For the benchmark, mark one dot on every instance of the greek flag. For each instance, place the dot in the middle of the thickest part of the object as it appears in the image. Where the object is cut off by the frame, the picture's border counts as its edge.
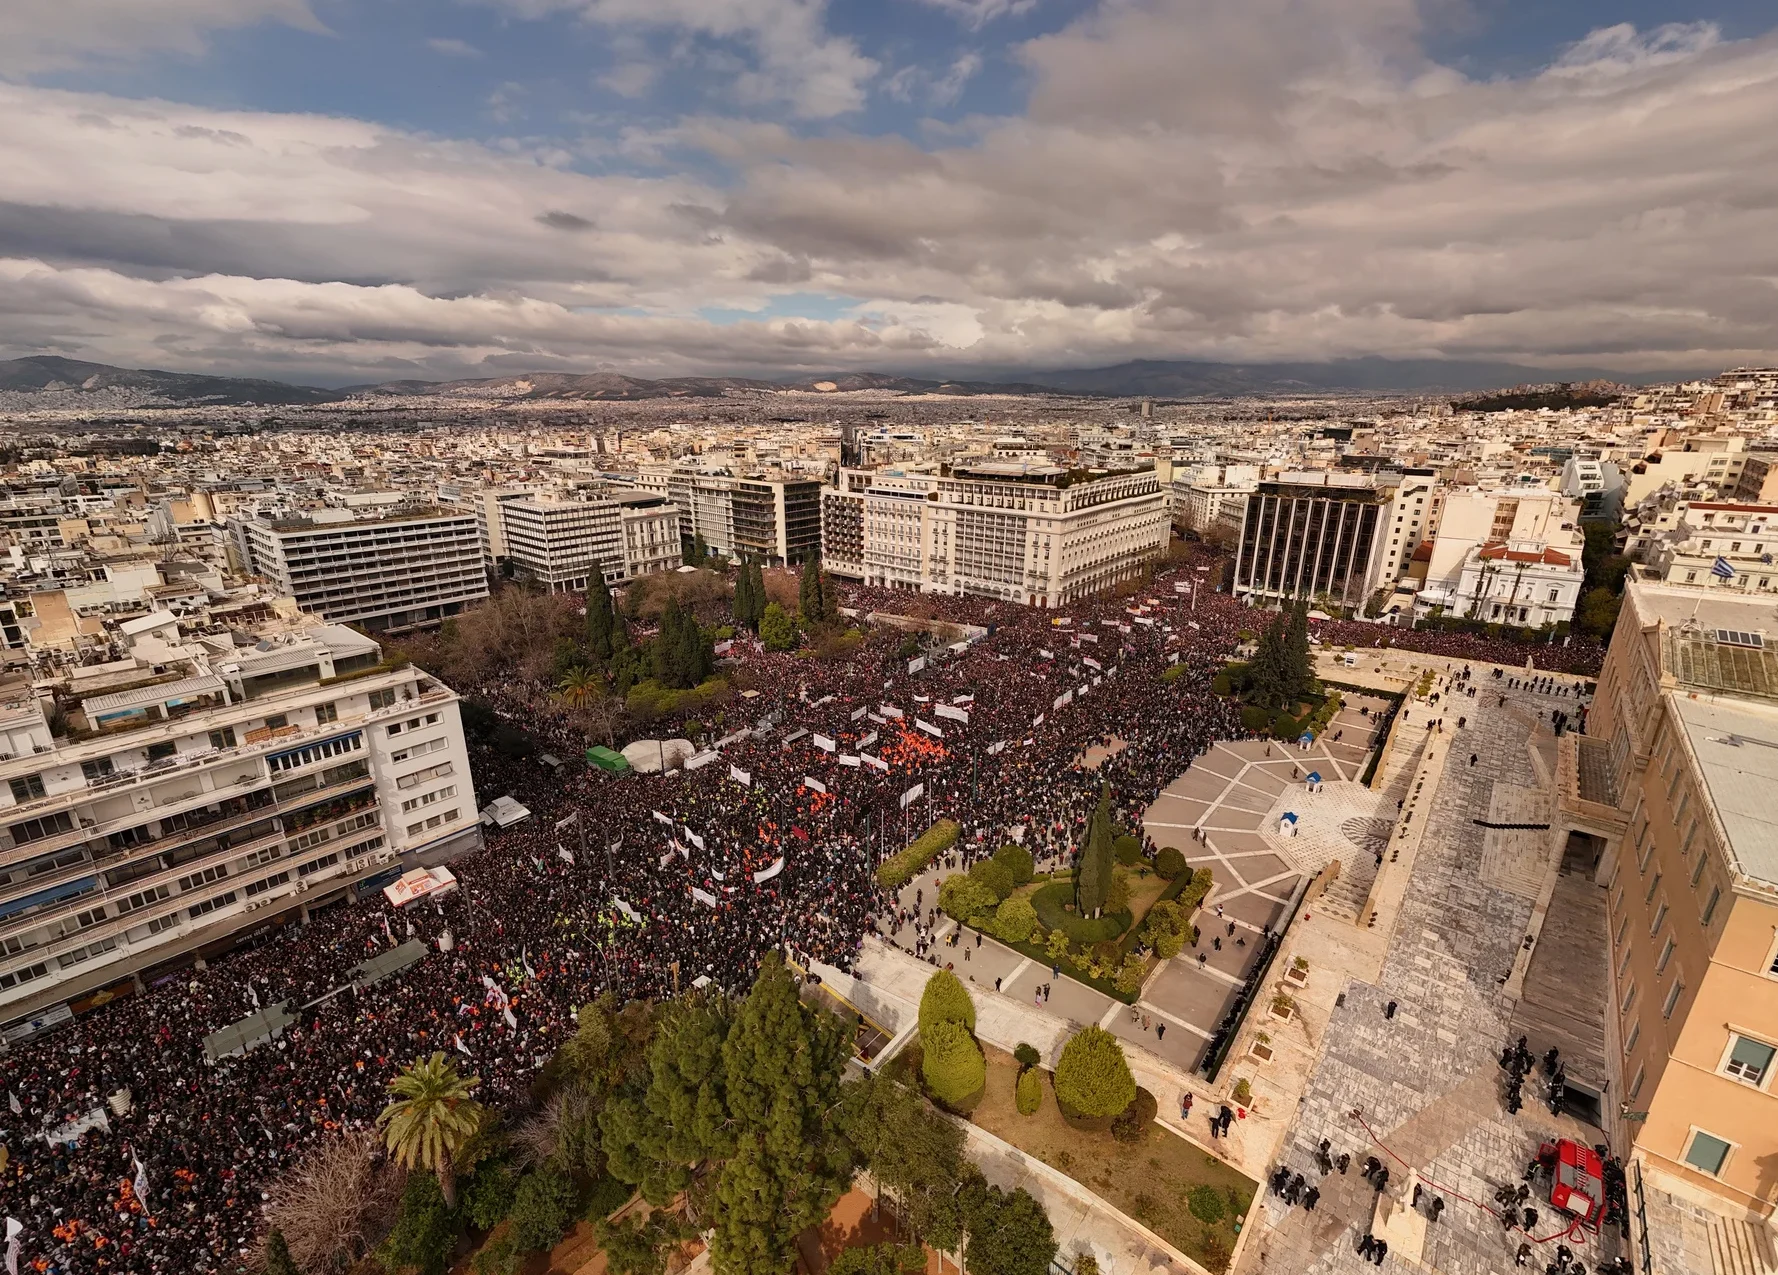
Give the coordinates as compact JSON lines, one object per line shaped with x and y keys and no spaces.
{"x":1722,"y":570}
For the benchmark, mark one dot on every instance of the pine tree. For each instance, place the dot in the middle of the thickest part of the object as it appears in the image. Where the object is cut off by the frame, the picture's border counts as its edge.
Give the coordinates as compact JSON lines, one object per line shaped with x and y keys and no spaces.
{"x":600,"y":619}
{"x":757,"y":595}
{"x":743,"y":604}
{"x":1269,"y":669}
{"x":830,"y":598}
{"x":782,"y":1064}
{"x":1299,"y":668}
{"x":669,"y":647}
{"x":809,"y":591}
{"x":1096,"y":859}
{"x":277,"y":1255}
{"x":673,"y":1115}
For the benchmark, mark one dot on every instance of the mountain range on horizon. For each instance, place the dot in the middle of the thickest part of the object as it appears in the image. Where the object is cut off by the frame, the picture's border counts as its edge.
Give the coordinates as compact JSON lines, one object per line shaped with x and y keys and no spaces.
{"x":52,"y":378}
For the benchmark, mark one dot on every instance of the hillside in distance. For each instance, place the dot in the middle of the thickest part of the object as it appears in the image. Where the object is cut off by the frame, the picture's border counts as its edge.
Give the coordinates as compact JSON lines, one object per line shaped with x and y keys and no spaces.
{"x":607,"y":387}
{"x":48,"y":377}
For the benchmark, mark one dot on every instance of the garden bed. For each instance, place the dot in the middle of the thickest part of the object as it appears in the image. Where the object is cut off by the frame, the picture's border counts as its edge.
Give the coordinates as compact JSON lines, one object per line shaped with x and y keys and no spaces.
{"x":1157,"y":1181}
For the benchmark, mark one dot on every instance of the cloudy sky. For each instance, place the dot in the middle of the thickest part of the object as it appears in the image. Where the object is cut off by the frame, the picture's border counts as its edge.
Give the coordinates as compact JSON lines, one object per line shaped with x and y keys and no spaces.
{"x":341,"y":190}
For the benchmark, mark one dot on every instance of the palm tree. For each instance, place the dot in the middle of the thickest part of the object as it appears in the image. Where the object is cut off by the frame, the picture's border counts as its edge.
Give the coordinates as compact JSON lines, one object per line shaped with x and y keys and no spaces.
{"x":577,"y":687}
{"x":431,"y":1118}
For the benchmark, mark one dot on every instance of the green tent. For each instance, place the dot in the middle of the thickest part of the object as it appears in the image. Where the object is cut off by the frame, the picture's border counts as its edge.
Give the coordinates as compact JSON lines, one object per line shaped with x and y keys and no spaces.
{"x":605,"y":759}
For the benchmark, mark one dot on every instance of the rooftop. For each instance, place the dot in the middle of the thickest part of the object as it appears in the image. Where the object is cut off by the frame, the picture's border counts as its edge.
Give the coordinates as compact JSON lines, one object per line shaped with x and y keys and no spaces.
{"x":1736,"y":746}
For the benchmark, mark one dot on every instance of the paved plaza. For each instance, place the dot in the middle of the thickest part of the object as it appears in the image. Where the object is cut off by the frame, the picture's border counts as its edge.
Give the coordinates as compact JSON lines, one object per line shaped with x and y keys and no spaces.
{"x":1422,"y":1090}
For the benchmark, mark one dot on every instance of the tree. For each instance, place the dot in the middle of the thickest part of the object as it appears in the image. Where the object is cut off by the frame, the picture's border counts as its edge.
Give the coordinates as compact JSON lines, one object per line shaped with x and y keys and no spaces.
{"x":277,"y":1255}
{"x":1168,"y":863}
{"x":782,"y":1063}
{"x":578,"y":688}
{"x":946,"y":1000}
{"x":1598,"y":612}
{"x":675,"y":1115}
{"x":1018,"y":861}
{"x":743,"y":603}
{"x":425,"y":1232}
{"x":1166,"y":928}
{"x":757,"y":594}
{"x":911,"y":1151}
{"x":602,"y":623}
{"x":879,"y":1259}
{"x":1299,"y":667}
{"x":641,"y":1246}
{"x":1094,"y":881}
{"x":431,"y":1118}
{"x":542,"y":1208}
{"x":951,"y":1063}
{"x":993,"y":874}
{"x":1028,"y":1092}
{"x":1092,"y":1078}
{"x":1009,"y":1234}
{"x":964,"y":898}
{"x":1014,"y":919}
{"x":339,"y":1195}
{"x":776,"y":629}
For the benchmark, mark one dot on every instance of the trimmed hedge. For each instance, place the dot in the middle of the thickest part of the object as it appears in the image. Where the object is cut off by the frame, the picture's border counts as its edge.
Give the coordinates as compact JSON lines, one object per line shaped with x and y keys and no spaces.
{"x":951,"y":1063}
{"x":1135,"y":1119}
{"x":1014,"y":920}
{"x":1198,"y":886}
{"x":1028,"y":1092}
{"x":898,"y":869}
{"x":1255,"y":719}
{"x":1127,"y":850}
{"x":1017,"y":860}
{"x":1051,"y":903}
{"x":946,"y":1000}
{"x":995,"y":875}
{"x":1093,"y":1079}
{"x":1169,"y":863}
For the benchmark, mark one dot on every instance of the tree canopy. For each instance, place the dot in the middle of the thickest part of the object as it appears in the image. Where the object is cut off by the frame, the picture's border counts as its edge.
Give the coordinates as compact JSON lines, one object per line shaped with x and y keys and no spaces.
{"x":776,"y":629}
{"x":946,"y":1000}
{"x":1094,"y":881}
{"x":601,"y":617}
{"x":431,"y":1118}
{"x":1092,"y":1077}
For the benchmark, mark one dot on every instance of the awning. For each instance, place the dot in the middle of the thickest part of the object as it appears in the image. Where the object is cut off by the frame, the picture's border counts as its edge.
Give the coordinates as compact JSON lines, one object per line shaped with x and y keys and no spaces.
{"x":143,"y":696}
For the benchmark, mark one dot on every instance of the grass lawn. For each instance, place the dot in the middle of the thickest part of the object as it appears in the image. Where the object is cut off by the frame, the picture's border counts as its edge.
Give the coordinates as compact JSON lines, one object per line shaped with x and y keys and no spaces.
{"x":1156,"y":1181}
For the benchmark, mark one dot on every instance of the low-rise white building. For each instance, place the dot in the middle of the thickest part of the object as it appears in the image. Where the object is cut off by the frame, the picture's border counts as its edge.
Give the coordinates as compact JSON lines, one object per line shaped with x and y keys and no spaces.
{"x":1516,"y":582}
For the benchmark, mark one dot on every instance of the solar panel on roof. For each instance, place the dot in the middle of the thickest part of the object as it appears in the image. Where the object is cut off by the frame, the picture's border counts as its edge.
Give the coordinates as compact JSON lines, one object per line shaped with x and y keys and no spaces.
{"x":1737,"y":637}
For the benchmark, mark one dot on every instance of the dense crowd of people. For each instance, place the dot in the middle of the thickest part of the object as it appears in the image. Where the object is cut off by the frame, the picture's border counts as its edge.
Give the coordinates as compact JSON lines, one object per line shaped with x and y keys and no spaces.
{"x":639,"y":884}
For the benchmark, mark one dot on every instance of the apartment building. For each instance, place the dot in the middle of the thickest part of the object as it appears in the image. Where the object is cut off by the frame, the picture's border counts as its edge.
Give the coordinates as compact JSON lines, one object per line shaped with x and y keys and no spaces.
{"x":1319,"y":535}
{"x":772,"y":516}
{"x":1208,"y":497}
{"x":1021,"y":530}
{"x":1673,"y":778}
{"x":161,"y":808}
{"x":1703,"y":531}
{"x":559,"y":538}
{"x":1471,"y":518}
{"x":411,"y":568}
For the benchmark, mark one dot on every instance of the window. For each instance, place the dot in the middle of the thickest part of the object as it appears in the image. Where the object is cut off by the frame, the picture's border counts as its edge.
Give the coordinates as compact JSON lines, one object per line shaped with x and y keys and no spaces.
{"x":325,"y":861}
{"x":382,"y":699}
{"x":161,"y":924}
{"x":325,"y":713}
{"x":259,"y":858}
{"x":37,"y":829}
{"x":427,"y":799}
{"x":1622,"y":925}
{"x":28,"y":788}
{"x":99,"y":947}
{"x":1749,"y":1060}
{"x":96,"y":770}
{"x":1629,"y":998}
{"x":1624,"y":961}
{"x":1707,"y":1153}
{"x":160,"y":752}
{"x":270,"y":883}
{"x":28,"y":974}
{"x":1665,"y":956}
{"x":1634,"y":1036}
{"x":210,"y":905}
{"x":1698,"y":869}
{"x":1660,"y":916}
{"x":1636,"y":1084}
{"x":215,"y":872}
{"x":1652,"y":887}
{"x":1710,"y":905}
{"x":1672,"y":1001}
{"x":224,"y":738}
{"x":418,"y":750}
{"x":277,"y":721}
{"x":1645,"y":849}
{"x":419,"y":777}
{"x":141,"y":899}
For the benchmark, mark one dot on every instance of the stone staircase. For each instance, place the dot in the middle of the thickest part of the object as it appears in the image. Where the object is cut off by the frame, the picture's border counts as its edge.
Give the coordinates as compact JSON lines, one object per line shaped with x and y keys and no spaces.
{"x":1739,"y":1247}
{"x":1345,"y":898}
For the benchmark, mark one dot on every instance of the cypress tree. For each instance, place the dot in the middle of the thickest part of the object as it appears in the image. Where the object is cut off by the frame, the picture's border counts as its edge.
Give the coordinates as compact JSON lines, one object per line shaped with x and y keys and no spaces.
{"x":277,"y":1255}
{"x":808,"y":599}
{"x":782,"y":1062}
{"x":600,"y":618}
{"x":1095,"y":861}
{"x":669,"y":647}
{"x":757,"y":595}
{"x":1300,"y":670}
{"x":743,"y":605}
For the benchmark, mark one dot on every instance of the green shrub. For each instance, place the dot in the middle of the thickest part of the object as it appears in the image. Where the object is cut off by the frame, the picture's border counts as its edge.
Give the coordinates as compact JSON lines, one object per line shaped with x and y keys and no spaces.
{"x":898,"y":869}
{"x":1018,"y":861}
{"x":1242,"y":1092}
{"x":501,"y":1257}
{"x":946,"y":1000}
{"x":1130,"y":975}
{"x":1255,"y":719}
{"x":608,"y":1196}
{"x":1028,"y":1092}
{"x":424,"y":1232}
{"x":1135,"y":1119}
{"x":487,"y":1197}
{"x":1284,"y":726}
{"x":1169,"y":863}
{"x":1219,"y":685}
{"x":1205,"y":1203}
{"x":1193,"y":894}
{"x":1015,"y":919}
{"x":1117,"y":894}
{"x":996,"y":876}
{"x":1051,"y":902}
{"x":1026,"y":1055}
{"x":1165,"y":927}
{"x":964,"y":898}
{"x":1127,"y":850}
{"x":952,"y":1066}
{"x":542,"y":1207}
{"x":1092,"y":1078}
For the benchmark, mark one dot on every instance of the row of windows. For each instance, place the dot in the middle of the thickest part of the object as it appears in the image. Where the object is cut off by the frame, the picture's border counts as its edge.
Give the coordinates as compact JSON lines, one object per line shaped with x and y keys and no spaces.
{"x":412,"y":723}
{"x":429,"y":799}
{"x":313,"y":753}
{"x":436,"y":821}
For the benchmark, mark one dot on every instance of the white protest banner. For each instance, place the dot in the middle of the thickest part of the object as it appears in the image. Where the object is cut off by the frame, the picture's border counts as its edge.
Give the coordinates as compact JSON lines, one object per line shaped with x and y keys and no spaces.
{"x":694,"y":838}
{"x":1048,"y":655}
{"x":968,"y":697}
{"x":929,"y":728}
{"x":912,"y":795}
{"x":847,"y":759}
{"x":916,"y":664}
{"x":1037,"y":721}
{"x":868,"y":740}
{"x":766,"y":874}
{"x":809,"y":781}
{"x":666,"y":819}
{"x":708,"y":900}
{"x":859,"y":712}
{"x":955,"y":714}
{"x":889,"y":710}
{"x":1096,"y":681}
{"x":881,"y":721}
{"x":627,"y":910}
{"x":1090,"y":662}
{"x":1090,"y":637}
{"x":742,"y":777}
{"x":999,"y":746}
{"x":702,"y":759}
{"x":667,"y":857}
{"x":1063,"y":700}
{"x":822,"y":742}
{"x":1143,"y":619}
{"x":876,"y":762}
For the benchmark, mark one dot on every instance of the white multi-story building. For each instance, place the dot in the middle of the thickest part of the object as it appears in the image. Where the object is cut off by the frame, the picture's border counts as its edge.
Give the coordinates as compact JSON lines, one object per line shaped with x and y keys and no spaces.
{"x":1026,"y":532}
{"x":559,"y":538}
{"x":772,"y":516}
{"x":1468,"y":518}
{"x":1213,"y":496}
{"x":1744,"y":536}
{"x":1518,"y":582}
{"x":157,"y":809}
{"x":405,"y":570}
